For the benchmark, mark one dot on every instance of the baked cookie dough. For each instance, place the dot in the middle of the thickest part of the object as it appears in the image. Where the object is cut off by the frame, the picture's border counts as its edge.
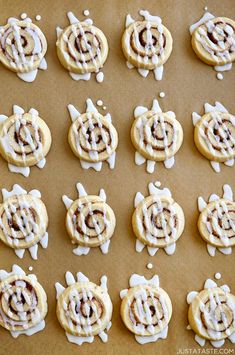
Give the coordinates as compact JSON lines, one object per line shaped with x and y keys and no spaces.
{"x":146,"y":309}
{"x":84,"y":309}
{"x":90,"y":221}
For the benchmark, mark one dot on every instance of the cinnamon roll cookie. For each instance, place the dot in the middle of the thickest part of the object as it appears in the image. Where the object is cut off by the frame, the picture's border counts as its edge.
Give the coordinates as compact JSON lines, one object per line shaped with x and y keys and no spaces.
{"x":216,"y":222}
{"x":90,"y":221}
{"x":84,"y":309}
{"x":82,"y":48}
{"x":213,"y":40}
{"x":146,"y":44}
{"x":146,"y":309}
{"x":92,"y":137}
{"x":158,"y":221}
{"x":23,"y":221}
{"x":157,"y":136}
{"x":22,"y":48}
{"x":211,"y":314}
{"x":23,"y":302}
{"x":214,"y":135}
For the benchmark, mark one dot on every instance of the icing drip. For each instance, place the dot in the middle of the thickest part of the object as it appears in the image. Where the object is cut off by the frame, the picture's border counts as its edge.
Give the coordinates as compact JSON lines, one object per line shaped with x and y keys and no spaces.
{"x":94,"y":136}
{"x":90,"y":302}
{"x":22,"y":221}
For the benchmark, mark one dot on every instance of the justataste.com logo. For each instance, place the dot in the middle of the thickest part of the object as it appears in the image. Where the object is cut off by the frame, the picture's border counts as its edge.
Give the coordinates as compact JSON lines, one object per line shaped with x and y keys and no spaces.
{"x":187,"y":351}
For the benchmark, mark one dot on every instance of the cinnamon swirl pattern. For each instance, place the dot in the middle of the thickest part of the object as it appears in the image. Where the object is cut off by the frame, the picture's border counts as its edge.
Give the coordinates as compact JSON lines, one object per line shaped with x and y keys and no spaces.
{"x":146,"y":309}
{"x":22,"y":48}
{"x":25,"y":140}
{"x":90,"y":221}
{"x":23,"y":221}
{"x":211,"y":314}
{"x":214,"y":135}
{"x":216,"y":222}
{"x":82,"y":48}
{"x":146,"y":44}
{"x":92,"y":137}
{"x":84,"y":309}
{"x":158,"y":221}
{"x":23,"y":302}
{"x":157,"y":136}
{"x":213,"y":40}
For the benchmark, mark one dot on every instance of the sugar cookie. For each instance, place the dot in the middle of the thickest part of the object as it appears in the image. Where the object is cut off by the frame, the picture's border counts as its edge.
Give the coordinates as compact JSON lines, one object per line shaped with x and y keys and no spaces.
{"x":158,"y":221}
{"x":84,"y":309}
{"x":90,"y":221}
{"x":216,"y":222}
{"x":214,"y":135}
{"x":82,"y":48}
{"x":211,"y":314}
{"x":22,"y":48}
{"x":146,"y":309}
{"x":92,"y":137}
{"x":146,"y":44}
{"x":23,"y":221}
{"x":23,"y":302}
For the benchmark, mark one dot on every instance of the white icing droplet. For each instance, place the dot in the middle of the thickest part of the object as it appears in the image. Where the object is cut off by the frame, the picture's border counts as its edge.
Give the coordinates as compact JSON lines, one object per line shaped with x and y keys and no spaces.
{"x":20,"y":253}
{"x":195,"y":117}
{"x":155,"y":190}
{"x":80,"y":250}
{"x":161,"y":94}
{"x":211,"y":249}
{"x":143,"y":72}
{"x":23,"y":16}
{"x":169,"y":163}
{"x":72,"y":18}
{"x":228,"y":192}
{"x":225,"y":288}
{"x":216,"y":166}
{"x":148,"y":17}
{"x":129,"y":65}
{"x":28,"y":77}
{"x":139,"y":159}
{"x":213,"y":197}
{"x":170,"y":249}
{"x":140,"y":110}
{"x":217,"y":343}
{"x":25,"y":171}
{"x":99,"y":103}
{"x":152,"y":251}
{"x":139,"y":246}
{"x":81,"y":190}
{"x":90,"y":107}
{"x":86,"y":12}
{"x":59,"y":289}
{"x":150,"y":166}
{"x":226,"y":251}
{"x":105,"y":247}
{"x":138,"y":198}
{"x":155,"y":106}
{"x":218,"y":276}
{"x":43,"y":64}
{"x":100,"y":77}
{"x":67,"y":201}
{"x":219,"y":76}
{"x":103,"y":282}
{"x":73,"y":112}
{"x":69,"y":278}
{"x":158,"y":73}
{"x":38,"y":17}
{"x":123,"y":293}
{"x":149,"y":266}
{"x":200,"y":340}
{"x":201,"y":203}
{"x":30,"y":268}
{"x":129,"y":20}
{"x":222,"y":68}
{"x":77,"y":77}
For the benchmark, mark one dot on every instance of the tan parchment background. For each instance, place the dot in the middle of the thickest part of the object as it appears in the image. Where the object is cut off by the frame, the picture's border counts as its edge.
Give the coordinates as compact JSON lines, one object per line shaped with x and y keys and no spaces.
{"x":188,"y":84}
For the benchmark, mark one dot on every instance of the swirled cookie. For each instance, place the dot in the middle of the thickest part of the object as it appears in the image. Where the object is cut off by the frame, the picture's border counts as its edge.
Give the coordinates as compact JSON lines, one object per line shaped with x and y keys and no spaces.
{"x":146,"y":44}
{"x":23,"y":302}
{"x":23,"y":221}
{"x":211,"y":314}
{"x":214,"y":135}
{"x":146,"y":309}
{"x":158,"y":221}
{"x":216,"y":222}
{"x":25,"y":140}
{"x":22,"y":48}
{"x":82,"y":48}
{"x":84,"y":309}
{"x":90,"y":221}
{"x":92,"y":137}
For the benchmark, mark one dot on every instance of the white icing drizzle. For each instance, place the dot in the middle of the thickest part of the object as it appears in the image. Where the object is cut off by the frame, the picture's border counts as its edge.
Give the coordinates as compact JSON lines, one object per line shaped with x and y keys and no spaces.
{"x":37,"y":150}
{"x":25,"y":227}
{"x":86,"y":76}
{"x":139,"y":159}
{"x":158,"y":71}
{"x":75,"y":115}
{"x":220,"y":208}
{"x":80,"y":277}
{"x":223,"y":132}
{"x":208,"y":313}
{"x":35,"y":312}
{"x":149,"y":266}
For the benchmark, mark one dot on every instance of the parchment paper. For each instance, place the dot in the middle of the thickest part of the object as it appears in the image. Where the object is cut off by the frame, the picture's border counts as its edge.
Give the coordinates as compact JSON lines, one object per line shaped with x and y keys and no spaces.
{"x":188,"y":84}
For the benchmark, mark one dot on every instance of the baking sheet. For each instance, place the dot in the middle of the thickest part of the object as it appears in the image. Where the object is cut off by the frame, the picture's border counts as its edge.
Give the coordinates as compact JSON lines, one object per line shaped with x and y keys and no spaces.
{"x":188,"y":84}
